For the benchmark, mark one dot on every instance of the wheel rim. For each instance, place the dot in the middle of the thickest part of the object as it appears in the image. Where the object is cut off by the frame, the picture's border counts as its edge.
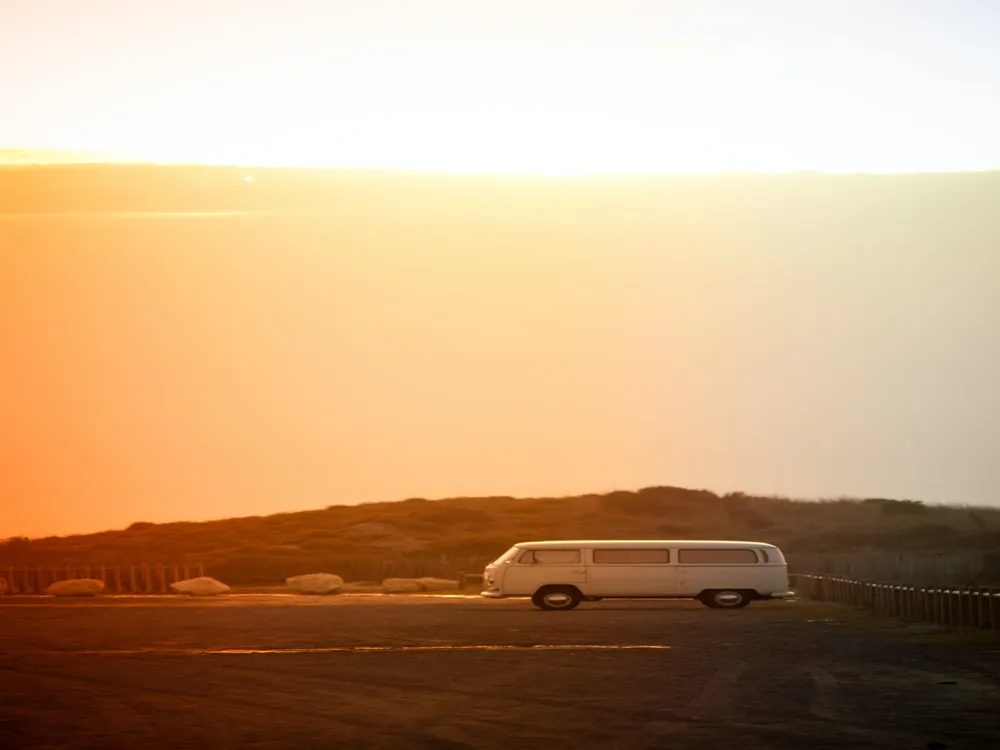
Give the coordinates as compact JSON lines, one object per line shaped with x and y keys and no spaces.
{"x":558,"y":599}
{"x":728,"y":598}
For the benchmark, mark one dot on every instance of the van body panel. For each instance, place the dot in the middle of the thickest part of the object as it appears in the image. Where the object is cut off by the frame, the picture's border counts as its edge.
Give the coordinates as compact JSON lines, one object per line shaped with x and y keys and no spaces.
{"x":693,"y":579}
{"x":534,"y":567}
{"x":630,"y":580}
{"x":622,"y":568}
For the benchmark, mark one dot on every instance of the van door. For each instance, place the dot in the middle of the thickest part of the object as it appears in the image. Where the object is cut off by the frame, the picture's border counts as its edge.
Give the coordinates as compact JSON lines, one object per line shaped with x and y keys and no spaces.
{"x":630,"y":572}
{"x":716,"y":568}
{"x":544,"y":567}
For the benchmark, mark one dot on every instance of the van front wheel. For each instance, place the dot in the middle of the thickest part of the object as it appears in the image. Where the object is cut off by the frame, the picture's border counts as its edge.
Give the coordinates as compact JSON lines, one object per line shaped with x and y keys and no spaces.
{"x":556,"y":597}
{"x":724,"y":599}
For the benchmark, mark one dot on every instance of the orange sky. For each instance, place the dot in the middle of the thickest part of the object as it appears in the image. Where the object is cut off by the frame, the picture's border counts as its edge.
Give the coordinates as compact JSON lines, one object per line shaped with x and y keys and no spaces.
{"x":816,"y":342}
{"x":812,"y":342}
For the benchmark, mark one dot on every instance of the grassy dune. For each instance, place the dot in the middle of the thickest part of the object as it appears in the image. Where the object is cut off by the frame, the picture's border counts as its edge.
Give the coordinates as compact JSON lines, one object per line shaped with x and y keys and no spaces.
{"x":430,"y":535}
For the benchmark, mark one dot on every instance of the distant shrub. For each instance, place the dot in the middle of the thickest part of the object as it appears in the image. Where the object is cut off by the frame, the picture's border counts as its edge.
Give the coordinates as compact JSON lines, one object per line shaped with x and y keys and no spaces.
{"x":898,"y":507}
{"x":436,"y":515}
{"x":468,"y":515}
{"x":631,"y":502}
{"x":673,"y":531}
{"x":734,"y":500}
{"x":753,"y":519}
{"x":931,"y":533}
{"x":678,"y":495}
{"x":140,"y":526}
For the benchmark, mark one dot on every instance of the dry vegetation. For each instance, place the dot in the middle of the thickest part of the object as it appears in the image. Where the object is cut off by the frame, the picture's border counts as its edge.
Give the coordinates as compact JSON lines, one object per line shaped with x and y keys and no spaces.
{"x":439,"y":537}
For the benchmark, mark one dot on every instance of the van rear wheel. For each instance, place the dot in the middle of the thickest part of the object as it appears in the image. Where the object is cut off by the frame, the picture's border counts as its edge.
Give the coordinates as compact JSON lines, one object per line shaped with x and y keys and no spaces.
{"x":725,"y":598}
{"x":556,"y":597}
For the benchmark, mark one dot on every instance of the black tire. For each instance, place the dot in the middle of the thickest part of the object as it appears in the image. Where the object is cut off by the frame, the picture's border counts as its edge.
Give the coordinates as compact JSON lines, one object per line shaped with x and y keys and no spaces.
{"x":725,"y":598}
{"x":554,"y":598}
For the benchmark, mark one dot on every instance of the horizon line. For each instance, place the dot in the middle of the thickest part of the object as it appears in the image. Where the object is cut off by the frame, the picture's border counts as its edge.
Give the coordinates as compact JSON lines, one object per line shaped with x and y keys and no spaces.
{"x":555,"y":175}
{"x":34,"y":157}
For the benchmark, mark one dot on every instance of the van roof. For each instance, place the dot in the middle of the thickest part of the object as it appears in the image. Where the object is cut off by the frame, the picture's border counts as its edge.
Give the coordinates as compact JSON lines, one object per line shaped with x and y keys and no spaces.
{"x":701,"y":543}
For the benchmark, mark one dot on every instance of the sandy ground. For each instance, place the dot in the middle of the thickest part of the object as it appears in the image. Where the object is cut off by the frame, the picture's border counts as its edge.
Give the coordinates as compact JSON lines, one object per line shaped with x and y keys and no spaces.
{"x":440,"y":672}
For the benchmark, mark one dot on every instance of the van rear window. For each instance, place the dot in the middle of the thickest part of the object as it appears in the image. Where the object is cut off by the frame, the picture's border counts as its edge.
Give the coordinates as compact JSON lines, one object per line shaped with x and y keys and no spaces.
{"x":550,"y":557}
{"x":631,"y":556}
{"x":716,"y":556}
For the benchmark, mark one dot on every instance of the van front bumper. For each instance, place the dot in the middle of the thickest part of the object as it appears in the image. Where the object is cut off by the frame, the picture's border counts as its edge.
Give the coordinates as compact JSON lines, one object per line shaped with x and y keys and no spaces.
{"x":781,"y":595}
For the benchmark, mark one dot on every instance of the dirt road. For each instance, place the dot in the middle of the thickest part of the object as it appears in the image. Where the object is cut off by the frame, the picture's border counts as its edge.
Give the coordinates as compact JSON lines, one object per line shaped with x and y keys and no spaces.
{"x":416,"y":672}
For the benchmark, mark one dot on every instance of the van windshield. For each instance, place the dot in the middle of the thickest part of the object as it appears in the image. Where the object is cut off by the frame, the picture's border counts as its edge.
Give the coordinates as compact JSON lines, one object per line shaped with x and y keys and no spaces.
{"x":507,"y":557}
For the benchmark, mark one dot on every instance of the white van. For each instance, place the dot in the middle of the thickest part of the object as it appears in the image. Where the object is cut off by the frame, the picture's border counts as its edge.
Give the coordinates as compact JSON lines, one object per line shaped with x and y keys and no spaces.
{"x":559,"y":575}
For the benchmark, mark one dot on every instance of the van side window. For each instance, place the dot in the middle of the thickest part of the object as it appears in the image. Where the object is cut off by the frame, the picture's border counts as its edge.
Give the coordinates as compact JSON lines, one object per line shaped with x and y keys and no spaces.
{"x":716,"y":556}
{"x":763,"y":555}
{"x":631,"y":556}
{"x":550,"y":557}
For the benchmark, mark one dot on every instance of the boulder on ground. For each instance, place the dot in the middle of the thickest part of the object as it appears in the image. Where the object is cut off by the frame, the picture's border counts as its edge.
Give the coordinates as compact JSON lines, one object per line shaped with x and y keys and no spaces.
{"x":438,"y":584}
{"x":203,"y":586}
{"x":76,"y":587}
{"x":315,"y":583}
{"x":401,"y":586}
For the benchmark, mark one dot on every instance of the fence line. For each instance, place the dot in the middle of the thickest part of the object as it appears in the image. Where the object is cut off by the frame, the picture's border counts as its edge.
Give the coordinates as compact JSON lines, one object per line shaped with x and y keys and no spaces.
{"x":120,"y":579}
{"x":941,"y":569}
{"x":949,"y":606}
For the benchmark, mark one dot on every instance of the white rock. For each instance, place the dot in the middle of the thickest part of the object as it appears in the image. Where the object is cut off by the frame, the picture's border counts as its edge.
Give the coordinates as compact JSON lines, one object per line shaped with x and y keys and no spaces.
{"x":401,"y":586}
{"x":438,"y":584}
{"x":315,"y":583}
{"x":76,"y":587}
{"x":204,"y":586}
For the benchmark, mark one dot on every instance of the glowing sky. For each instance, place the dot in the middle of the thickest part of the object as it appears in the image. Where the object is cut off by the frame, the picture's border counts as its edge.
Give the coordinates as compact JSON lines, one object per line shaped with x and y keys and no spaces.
{"x":812,"y":337}
{"x":539,"y":85}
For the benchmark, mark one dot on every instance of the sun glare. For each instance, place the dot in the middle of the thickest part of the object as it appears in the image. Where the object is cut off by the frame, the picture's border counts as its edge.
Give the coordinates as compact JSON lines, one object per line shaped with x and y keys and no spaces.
{"x":707,"y":87}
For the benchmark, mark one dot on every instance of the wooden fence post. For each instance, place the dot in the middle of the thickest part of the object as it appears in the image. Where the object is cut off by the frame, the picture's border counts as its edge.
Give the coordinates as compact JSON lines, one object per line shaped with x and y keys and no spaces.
{"x":147,"y":579}
{"x":201,"y":570}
